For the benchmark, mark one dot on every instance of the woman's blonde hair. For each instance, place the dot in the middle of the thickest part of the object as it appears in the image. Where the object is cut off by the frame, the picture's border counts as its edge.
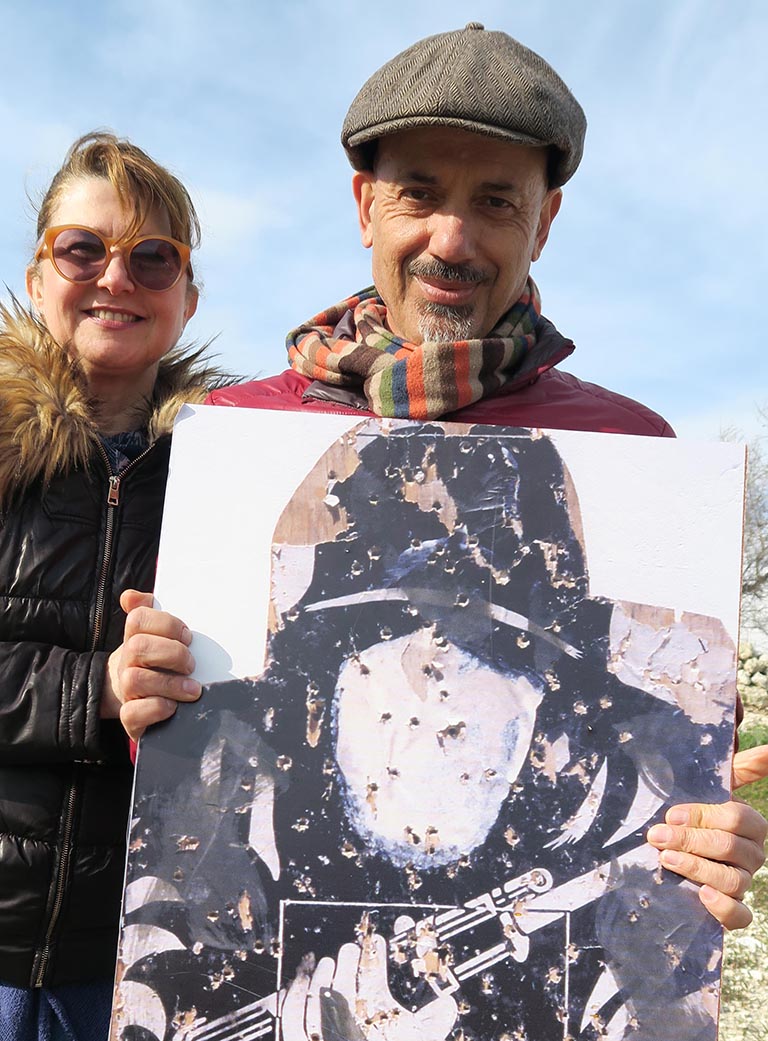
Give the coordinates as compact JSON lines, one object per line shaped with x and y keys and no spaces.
{"x":141,"y":183}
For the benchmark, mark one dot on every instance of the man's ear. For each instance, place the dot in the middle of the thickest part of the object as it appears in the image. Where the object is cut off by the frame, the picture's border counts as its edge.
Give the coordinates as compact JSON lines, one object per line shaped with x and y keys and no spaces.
{"x":34,"y":288}
{"x":364,"y":190}
{"x":549,"y":210}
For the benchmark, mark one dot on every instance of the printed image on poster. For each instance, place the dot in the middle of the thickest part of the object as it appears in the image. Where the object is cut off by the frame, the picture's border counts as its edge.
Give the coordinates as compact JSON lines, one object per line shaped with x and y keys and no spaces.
{"x":423,"y":815}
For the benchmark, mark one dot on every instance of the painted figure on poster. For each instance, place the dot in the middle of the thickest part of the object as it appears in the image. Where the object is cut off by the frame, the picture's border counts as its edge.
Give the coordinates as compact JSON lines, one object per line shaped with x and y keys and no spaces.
{"x":428,"y":814}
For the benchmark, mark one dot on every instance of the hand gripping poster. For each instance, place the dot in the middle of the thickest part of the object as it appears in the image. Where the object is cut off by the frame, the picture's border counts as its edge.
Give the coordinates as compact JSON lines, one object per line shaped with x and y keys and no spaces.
{"x":452,"y":676}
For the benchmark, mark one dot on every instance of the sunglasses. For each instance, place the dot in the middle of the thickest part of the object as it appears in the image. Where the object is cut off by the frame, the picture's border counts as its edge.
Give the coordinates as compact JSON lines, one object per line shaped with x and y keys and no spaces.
{"x":82,"y":255}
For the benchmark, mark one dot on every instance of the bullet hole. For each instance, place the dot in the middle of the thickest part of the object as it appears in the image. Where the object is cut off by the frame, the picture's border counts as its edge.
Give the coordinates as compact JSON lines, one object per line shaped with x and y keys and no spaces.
{"x":706,"y":739}
{"x":523,"y":641}
{"x":385,"y":717}
{"x":259,"y":947}
{"x":328,"y":768}
{"x":240,"y":955}
{"x":392,"y":771}
{"x":413,"y":722}
{"x":275,"y":948}
{"x":624,"y":736}
{"x":511,"y":837}
{"x":489,"y":774}
{"x":246,"y":786}
{"x":348,"y":850}
{"x":292,"y":614}
{"x":606,"y":702}
{"x":374,"y":500}
{"x":644,"y":902}
{"x":374,"y":553}
{"x":356,"y":568}
{"x":212,"y":916}
{"x":552,"y":681}
{"x":473,"y":541}
{"x":284,"y":763}
{"x":301,"y":824}
{"x":411,"y":836}
{"x":197,"y":948}
{"x":449,"y":567}
{"x":633,"y":917}
{"x":464,"y":777}
{"x":444,"y":695}
{"x":580,"y":708}
{"x":385,"y":633}
{"x":466,"y":447}
{"x":178,"y":875}
{"x":453,"y":732}
{"x":412,"y":877}
{"x":187,"y":843}
{"x":440,"y":640}
{"x":462,"y":600}
{"x":415,"y":543}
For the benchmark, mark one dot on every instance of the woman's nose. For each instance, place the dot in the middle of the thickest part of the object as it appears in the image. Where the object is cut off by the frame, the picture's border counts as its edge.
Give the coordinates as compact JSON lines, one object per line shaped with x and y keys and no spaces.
{"x":116,"y":277}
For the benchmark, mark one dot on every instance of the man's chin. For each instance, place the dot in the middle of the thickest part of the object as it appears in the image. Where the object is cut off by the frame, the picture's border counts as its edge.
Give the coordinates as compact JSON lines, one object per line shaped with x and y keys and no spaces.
{"x":439,"y":323}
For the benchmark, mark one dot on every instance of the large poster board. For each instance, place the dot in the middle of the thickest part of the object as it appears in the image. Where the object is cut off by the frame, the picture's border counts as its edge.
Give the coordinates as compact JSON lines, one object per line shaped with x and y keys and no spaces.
{"x":453,"y":675}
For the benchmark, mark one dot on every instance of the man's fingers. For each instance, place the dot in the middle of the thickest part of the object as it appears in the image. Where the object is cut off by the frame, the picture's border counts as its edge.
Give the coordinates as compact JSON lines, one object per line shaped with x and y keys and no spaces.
{"x":727,"y":879}
{"x":137,"y":715}
{"x":735,"y":817}
{"x":733,"y":914}
{"x":750,"y":765}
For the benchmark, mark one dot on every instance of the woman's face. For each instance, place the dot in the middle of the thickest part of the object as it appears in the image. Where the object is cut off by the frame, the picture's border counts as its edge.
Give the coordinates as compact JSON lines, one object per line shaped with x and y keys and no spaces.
{"x":428,"y":740}
{"x":113,"y":326}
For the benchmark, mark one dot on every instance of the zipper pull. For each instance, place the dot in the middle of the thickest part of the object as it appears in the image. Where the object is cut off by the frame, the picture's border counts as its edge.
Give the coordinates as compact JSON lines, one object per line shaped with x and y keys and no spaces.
{"x":114,"y":489}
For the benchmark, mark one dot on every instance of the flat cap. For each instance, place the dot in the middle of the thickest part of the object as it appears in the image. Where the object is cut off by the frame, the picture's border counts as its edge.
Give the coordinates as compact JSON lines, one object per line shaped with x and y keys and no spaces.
{"x":471,"y":79}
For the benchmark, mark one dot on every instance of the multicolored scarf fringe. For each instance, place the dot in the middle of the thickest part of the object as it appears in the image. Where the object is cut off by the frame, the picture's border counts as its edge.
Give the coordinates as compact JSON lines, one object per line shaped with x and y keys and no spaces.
{"x":405,"y":380}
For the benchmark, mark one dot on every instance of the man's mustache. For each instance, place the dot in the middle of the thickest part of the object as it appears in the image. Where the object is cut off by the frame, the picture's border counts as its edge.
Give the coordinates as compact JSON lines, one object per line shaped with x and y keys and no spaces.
{"x":447,"y":272}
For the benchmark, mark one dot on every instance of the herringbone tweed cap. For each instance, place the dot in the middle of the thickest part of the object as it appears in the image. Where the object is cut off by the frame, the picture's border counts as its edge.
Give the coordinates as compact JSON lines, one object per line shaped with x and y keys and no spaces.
{"x":472,"y":79}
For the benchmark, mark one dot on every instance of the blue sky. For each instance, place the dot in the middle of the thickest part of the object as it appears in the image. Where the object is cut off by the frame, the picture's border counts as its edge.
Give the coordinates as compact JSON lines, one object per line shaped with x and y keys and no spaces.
{"x":657,"y":265}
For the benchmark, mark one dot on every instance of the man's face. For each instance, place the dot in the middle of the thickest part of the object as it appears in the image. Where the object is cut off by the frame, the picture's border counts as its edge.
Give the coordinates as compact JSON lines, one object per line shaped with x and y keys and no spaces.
{"x":454,"y":220}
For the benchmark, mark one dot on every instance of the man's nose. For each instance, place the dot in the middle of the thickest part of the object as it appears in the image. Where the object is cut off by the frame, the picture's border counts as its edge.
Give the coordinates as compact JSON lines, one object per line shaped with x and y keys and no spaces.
{"x":116,"y":277}
{"x":452,"y":238}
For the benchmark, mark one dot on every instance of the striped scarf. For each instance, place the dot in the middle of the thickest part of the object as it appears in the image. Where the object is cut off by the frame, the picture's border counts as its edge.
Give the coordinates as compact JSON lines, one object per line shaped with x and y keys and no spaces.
{"x":406,"y":380}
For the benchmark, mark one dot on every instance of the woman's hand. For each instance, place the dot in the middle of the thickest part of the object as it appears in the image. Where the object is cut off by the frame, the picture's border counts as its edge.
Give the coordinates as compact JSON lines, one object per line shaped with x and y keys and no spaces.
{"x":720,"y":846}
{"x":150,"y":672}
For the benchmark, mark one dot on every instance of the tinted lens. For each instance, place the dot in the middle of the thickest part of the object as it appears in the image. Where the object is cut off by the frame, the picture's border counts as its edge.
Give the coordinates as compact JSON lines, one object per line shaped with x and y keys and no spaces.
{"x":155,"y":264}
{"x":79,"y":255}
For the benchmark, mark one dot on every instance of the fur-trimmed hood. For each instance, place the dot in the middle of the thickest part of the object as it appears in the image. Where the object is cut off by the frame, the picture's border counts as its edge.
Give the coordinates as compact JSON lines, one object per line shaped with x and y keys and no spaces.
{"x":47,"y":419}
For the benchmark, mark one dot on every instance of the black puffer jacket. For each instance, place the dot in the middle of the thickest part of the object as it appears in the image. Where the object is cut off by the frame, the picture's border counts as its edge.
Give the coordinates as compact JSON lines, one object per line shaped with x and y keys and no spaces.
{"x":72,"y":537}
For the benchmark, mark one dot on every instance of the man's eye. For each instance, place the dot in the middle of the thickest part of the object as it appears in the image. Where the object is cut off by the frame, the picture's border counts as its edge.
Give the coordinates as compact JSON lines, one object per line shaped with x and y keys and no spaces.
{"x":496,"y":202}
{"x":416,"y":194}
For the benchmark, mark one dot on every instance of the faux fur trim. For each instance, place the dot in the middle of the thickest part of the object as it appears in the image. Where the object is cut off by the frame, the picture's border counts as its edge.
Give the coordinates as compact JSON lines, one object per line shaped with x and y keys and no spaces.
{"x":47,"y":422}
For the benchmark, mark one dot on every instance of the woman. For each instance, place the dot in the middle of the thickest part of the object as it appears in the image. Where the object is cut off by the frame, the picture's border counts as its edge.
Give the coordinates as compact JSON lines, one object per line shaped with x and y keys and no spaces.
{"x":89,"y":387}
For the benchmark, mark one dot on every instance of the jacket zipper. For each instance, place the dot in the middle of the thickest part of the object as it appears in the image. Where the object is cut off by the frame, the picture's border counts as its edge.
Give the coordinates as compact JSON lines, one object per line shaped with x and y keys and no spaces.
{"x":42,"y":956}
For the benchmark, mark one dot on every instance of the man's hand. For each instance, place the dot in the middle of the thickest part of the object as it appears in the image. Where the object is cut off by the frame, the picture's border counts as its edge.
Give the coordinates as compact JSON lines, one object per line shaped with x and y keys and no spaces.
{"x":720,"y":846}
{"x":150,"y":672}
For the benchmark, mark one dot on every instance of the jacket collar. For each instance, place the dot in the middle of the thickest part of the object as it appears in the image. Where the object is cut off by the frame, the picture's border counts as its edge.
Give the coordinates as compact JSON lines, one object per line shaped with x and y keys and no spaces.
{"x":47,"y":422}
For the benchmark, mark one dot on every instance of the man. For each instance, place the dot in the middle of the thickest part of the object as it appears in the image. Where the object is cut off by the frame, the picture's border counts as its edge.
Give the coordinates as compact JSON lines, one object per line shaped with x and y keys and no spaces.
{"x":460,"y":147}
